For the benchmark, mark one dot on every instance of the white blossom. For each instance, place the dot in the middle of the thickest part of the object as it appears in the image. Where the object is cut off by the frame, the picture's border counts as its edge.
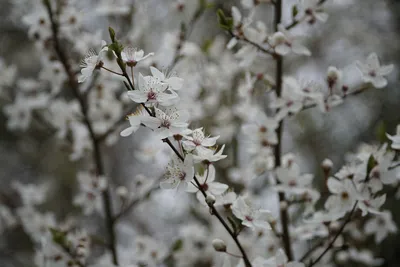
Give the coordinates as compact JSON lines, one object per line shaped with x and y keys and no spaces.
{"x":196,"y":140}
{"x":173,"y":82}
{"x":373,"y":72}
{"x":380,"y":225}
{"x":132,"y":56}
{"x":91,"y":62}
{"x":179,"y":174}
{"x":152,"y":91}
{"x":167,"y":122}
{"x":251,"y":217}
{"x":207,"y":184}
{"x":283,"y":43}
{"x":395,"y":139}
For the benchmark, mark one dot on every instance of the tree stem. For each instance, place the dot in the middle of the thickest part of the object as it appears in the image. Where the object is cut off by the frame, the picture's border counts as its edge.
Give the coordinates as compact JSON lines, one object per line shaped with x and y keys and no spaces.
{"x":285,"y":220}
{"x":62,"y":56}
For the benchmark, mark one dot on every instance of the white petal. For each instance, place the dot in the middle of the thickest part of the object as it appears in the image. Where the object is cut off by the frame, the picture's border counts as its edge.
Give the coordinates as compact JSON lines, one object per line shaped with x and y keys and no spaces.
{"x":282,"y":50}
{"x":237,"y":17}
{"x":373,"y":61}
{"x":385,"y":70}
{"x":209,"y":141}
{"x":176,"y":83}
{"x":137,"y":96}
{"x":151,"y":122}
{"x":334,"y":186}
{"x":379,"y":82}
{"x":232,"y":43}
{"x":217,"y":188}
{"x":157,"y":74}
{"x":167,"y":185}
{"x":321,"y":16}
{"x":128,"y":131}
{"x":211,"y":173}
{"x":300,"y":49}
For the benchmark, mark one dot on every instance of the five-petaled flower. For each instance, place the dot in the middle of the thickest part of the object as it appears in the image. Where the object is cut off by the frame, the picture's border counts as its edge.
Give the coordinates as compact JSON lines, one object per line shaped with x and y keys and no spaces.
{"x":91,"y":62}
{"x":132,"y":56}
{"x":152,"y":91}
{"x":173,"y":82}
{"x":284,"y":43}
{"x":251,"y":217}
{"x":207,"y":184}
{"x":196,"y":140}
{"x":179,"y":173}
{"x":167,"y":122}
{"x":373,"y":72}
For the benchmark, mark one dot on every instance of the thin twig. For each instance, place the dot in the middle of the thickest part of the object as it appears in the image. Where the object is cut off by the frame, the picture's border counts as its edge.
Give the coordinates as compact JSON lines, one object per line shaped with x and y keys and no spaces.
{"x":330,"y":245}
{"x":354,"y":92}
{"x":278,"y":148}
{"x":259,"y":47}
{"x":184,"y":34}
{"x":84,"y":107}
{"x":116,"y":124}
{"x":128,"y":208}
{"x":114,"y":72}
{"x":312,"y":249}
{"x":295,"y":22}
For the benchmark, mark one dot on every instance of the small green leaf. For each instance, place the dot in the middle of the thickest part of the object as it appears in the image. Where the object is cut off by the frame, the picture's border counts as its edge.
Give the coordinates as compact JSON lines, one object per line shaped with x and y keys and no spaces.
{"x":295,"y":11}
{"x":59,"y":237}
{"x":203,"y":4}
{"x":210,"y":5}
{"x":112,"y":34}
{"x":371,"y":164}
{"x":206,"y":45}
{"x":116,"y":47}
{"x":177,"y":245}
{"x":381,"y":132}
{"x":224,"y":22}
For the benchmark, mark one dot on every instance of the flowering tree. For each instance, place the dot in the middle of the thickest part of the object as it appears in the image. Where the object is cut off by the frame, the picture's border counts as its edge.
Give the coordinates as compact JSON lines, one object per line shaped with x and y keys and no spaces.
{"x":172,"y":98}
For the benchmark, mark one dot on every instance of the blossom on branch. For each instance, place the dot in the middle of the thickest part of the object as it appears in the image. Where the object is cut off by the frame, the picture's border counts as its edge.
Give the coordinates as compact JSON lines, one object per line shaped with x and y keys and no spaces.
{"x":373,"y":72}
{"x":132,"y":56}
{"x":91,"y":62}
{"x":251,"y":217}
{"x":167,"y":121}
{"x":152,"y":91}
{"x":179,"y":174}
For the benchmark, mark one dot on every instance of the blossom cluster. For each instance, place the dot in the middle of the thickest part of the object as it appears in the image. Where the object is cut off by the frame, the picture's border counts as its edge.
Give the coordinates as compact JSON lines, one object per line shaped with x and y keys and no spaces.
{"x":213,"y":120}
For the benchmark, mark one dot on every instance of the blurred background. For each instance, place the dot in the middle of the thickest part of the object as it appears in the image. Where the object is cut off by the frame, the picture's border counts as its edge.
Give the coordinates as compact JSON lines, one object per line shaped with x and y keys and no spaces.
{"x":355,"y":29}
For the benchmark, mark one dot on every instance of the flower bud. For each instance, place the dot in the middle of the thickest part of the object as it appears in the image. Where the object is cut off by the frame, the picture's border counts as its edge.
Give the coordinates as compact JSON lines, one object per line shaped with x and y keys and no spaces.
{"x":210,"y":199}
{"x":219,"y":245}
{"x":334,"y":226}
{"x":122,"y":191}
{"x":342,"y":257}
{"x":327,"y":165}
{"x":283,"y":205}
{"x":333,"y":76}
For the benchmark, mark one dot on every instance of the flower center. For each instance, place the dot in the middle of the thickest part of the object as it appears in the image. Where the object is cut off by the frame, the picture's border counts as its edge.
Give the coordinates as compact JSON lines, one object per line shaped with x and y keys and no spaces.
{"x":204,"y":186}
{"x":197,"y":142}
{"x":182,"y":176}
{"x":292,"y":183}
{"x":166,"y":124}
{"x":249,"y":218}
{"x":372,"y":73}
{"x":345,"y":195}
{"x":151,"y":95}
{"x":131,"y":63}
